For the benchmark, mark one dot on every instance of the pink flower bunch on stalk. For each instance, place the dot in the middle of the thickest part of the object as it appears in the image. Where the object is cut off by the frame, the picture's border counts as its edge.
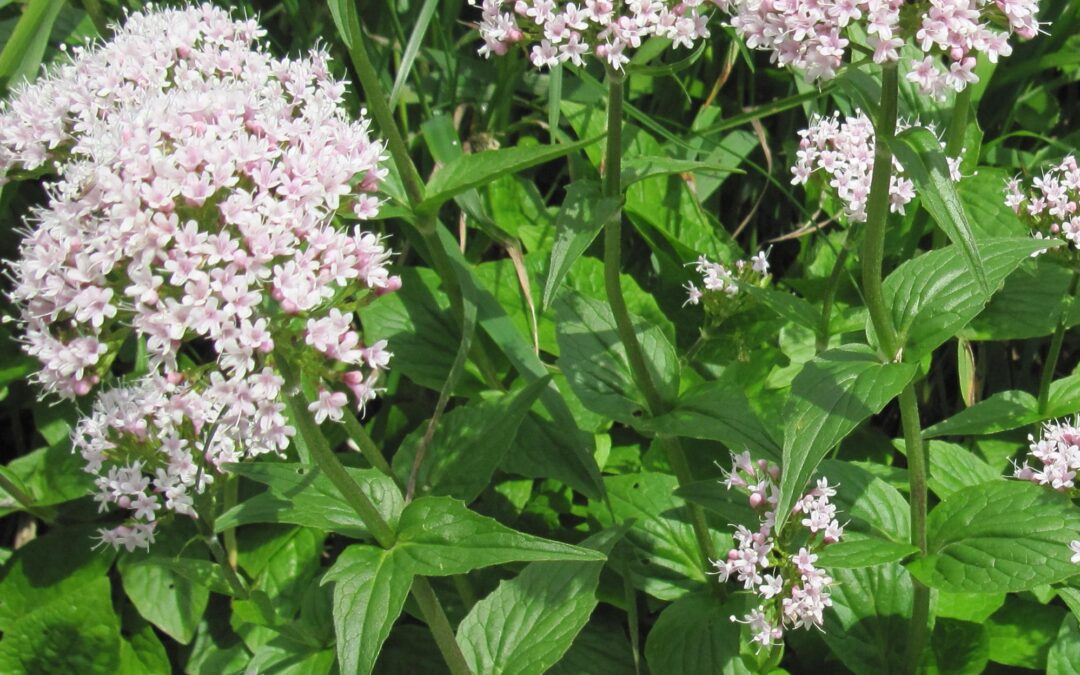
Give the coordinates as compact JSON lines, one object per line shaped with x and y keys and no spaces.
{"x":720,"y":281}
{"x":814,"y":36}
{"x":197,"y":182}
{"x":794,"y":592}
{"x":843,"y":149}
{"x":559,"y":32}
{"x":1052,"y":202}
{"x":1057,"y":453}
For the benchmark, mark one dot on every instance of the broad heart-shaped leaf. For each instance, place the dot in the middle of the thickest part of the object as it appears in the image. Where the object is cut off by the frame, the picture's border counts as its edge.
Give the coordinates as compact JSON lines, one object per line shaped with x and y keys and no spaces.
{"x":998,"y":536}
{"x":79,"y":633}
{"x":302,"y":495}
{"x":716,"y":411}
{"x":1011,"y":409}
{"x":919,"y":151}
{"x":933,"y":296}
{"x":835,"y":392}
{"x":855,"y":551}
{"x":696,"y":636}
{"x":666,"y":563}
{"x":866,"y":628}
{"x":1064,"y":656}
{"x":467,"y":445}
{"x":528,"y":622}
{"x":439,"y":536}
{"x":370,"y":588}
{"x":952,"y":468}
{"x":583,"y":214}
{"x":595,"y":362}
{"x":472,"y":171}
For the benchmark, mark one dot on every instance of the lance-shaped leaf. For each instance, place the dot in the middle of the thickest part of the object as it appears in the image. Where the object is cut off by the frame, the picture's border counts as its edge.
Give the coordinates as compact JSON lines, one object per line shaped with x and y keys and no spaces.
{"x":1011,"y":409}
{"x":831,"y":396}
{"x":472,"y":171}
{"x":934,"y":295}
{"x":920,"y":153}
{"x":528,"y":623}
{"x":999,"y":536}
{"x":439,"y":536}
{"x":370,"y":588}
{"x":583,"y":214}
{"x":855,"y":551}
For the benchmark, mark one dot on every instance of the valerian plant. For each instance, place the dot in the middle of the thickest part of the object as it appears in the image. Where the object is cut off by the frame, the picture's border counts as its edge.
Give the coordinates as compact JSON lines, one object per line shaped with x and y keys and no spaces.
{"x":521,"y":337}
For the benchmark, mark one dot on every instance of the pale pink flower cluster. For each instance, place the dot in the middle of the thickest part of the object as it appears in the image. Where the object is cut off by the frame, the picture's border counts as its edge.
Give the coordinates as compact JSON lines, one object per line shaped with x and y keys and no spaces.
{"x":843,"y":149}
{"x":814,"y":36}
{"x":1052,"y":203}
{"x":793,"y":590}
{"x":1057,"y":455}
{"x":556,"y":32}
{"x":198,"y":183}
{"x":717,"y":278}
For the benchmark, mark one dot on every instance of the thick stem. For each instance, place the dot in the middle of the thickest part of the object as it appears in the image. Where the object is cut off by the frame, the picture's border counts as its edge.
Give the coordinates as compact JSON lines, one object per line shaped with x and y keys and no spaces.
{"x":1055,"y":345}
{"x":439,"y":625}
{"x":916,"y":455}
{"x":612,"y":187}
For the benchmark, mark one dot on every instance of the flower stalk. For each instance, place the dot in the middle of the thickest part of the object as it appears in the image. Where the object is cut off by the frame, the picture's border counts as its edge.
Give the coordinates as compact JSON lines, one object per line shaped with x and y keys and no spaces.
{"x":873,"y":253}
{"x":612,"y":187}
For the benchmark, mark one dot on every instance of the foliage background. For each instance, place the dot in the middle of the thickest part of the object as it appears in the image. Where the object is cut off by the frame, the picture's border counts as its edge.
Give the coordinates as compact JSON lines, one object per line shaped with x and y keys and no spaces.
{"x":657,"y":610}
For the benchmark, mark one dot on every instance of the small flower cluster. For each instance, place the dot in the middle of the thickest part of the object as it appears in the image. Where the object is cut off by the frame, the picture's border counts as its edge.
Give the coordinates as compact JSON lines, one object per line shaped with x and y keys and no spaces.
{"x":560,"y":32}
{"x":1052,"y":204}
{"x":793,"y":590}
{"x":843,"y":148}
{"x":198,"y":181}
{"x":1058,"y":453}
{"x":720,"y":281}
{"x":814,"y":36}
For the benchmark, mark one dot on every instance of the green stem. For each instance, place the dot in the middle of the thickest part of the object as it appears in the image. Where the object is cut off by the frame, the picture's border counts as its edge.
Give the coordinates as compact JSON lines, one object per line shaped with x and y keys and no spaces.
{"x":954,"y":143}
{"x":825,"y":325}
{"x":46,"y":514}
{"x":367,"y":446}
{"x":232,"y":489}
{"x":873,"y":253}
{"x":612,"y":187}
{"x":240,"y":589}
{"x":1055,"y":345}
{"x":440,"y":627}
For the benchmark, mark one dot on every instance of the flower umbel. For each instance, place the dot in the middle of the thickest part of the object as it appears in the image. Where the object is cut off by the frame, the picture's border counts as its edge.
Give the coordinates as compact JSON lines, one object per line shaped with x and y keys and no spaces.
{"x":1051,"y":203}
{"x":198,"y":180}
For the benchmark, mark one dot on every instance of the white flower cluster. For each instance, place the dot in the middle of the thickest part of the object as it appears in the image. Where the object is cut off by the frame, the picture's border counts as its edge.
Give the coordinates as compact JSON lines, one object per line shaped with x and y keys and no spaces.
{"x":198,"y":182}
{"x":559,"y":32}
{"x":793,"y":590}
{"x":843,"y":149}
{"x":719,"y":279}
{"x":1057,"y":452}
{"x":1052,"y":203}
{"x":814,"y":35}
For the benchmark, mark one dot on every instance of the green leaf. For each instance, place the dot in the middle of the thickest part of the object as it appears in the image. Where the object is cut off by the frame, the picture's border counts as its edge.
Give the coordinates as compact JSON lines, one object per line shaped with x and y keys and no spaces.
{"x":695,"y":635}
{"x":952,"y":468}
{"x":958,"y":648}
{"x":290,"y":657}
{"x":919,"y":151}
{"x":468,"y":444}
{"x":370,"y":588}
{"x":1064,"y":656}
{"x":79,"y":633}
{"x":974,"y":607}
{"x":1012,"y":409}
{"x":1022,"y":631}
{"x":54,"y":566}
{"x":601,"y":648}
{"x":528,"y":623}
{"x":1029,"y":305}
{"x":25,"y":48}
{"x":863,"y":552}
{"x":142,"y":651}
{"x":666,"y":563}
{"x":164,"y":598}
{"x":595,"y":362}
{"x":583,"y":214}
{"x":867,"y":626}
{"x":733,"y":506}
{"x":635,"y":169}
{"x":420,"y":26}
{"x":472,"y":171}
{"x":205,"y":573}
{"x":998,"y":536}
{"x":873,"y":506}
{"x":282,"y":563}
{"x":933,"y":296}
{"x":982,"y":196}
{"x":832,"y":395}
{"x":716,"y":411}
{"x":439,"y":536}
{"x":347,"y":22}
{"x":303,"y":495}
